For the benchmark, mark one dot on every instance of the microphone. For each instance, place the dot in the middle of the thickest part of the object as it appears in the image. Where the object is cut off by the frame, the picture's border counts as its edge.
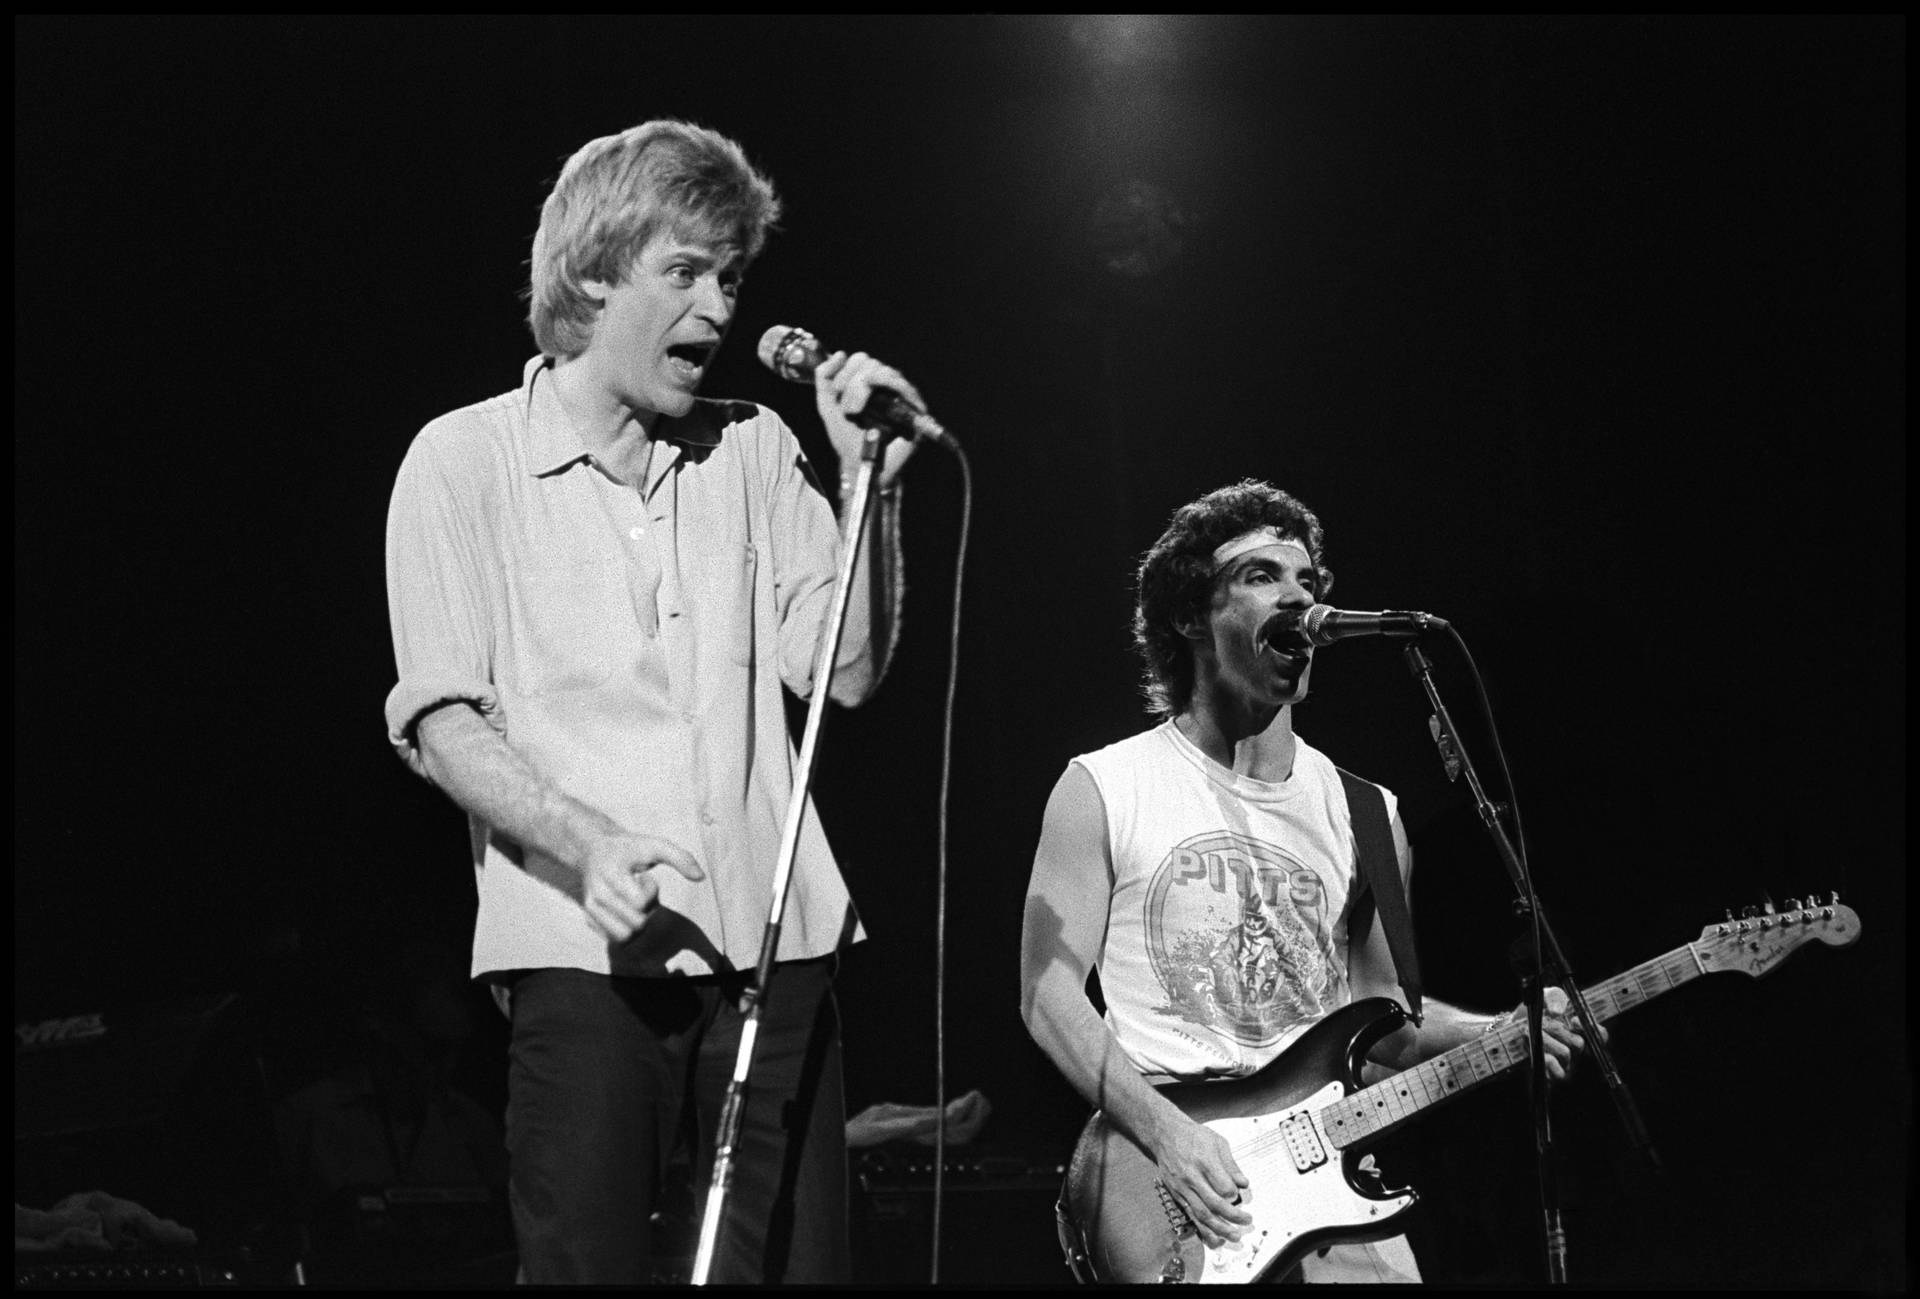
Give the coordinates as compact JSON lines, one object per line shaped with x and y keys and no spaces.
{"x":794,"y":354}
{"x":1322,"y":625}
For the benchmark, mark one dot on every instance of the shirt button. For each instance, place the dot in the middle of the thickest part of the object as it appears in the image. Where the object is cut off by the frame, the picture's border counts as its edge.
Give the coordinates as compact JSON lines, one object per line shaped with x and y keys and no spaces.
{"x":637,"y":533}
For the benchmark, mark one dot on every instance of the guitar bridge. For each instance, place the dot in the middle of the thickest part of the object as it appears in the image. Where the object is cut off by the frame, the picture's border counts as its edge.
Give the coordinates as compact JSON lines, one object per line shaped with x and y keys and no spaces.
{"x":1180,"y":1224}
{"x":1178,"y":1218}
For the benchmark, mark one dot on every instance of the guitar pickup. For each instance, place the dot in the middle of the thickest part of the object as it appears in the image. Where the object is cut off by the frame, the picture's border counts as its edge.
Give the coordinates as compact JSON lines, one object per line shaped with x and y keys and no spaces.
{"x":1303,"y":1142}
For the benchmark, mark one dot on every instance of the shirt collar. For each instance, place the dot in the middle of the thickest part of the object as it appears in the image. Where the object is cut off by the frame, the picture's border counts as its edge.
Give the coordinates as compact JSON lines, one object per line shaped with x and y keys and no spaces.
{"x":553,"y":444}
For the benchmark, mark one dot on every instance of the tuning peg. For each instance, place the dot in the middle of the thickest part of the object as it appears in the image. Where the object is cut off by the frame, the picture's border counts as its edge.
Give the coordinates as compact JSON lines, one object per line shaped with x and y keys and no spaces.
{"x":1833,"y":898}
{"x":1729,"y":914}
{"x":1748,"y":913}
{"x":1793,"y":904}
{"x":1768,"y":908}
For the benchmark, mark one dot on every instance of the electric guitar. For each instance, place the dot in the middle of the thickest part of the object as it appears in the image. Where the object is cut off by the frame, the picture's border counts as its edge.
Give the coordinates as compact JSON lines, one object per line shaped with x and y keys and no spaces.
{"x":1298,"y":1126}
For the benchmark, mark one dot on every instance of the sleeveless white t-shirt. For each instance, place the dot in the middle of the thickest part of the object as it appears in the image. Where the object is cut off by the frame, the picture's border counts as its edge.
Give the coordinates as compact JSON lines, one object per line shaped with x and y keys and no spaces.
{"x":1227,"y":923}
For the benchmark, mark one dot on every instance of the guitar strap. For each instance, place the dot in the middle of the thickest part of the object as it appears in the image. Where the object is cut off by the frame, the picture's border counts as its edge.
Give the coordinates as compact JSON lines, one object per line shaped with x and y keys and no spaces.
{"x":1384,"y":890}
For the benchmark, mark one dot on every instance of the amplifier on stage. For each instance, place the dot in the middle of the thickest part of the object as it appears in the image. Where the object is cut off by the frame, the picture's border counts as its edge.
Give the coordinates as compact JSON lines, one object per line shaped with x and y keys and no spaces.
{"x":121,"y":1125}
{"x":997,"y":1215}
{"x":74,"y":1271}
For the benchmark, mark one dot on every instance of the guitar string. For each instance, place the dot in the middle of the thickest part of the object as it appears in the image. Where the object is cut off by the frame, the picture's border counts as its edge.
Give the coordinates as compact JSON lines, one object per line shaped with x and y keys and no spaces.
{"x":1608,"y":998}
{"x":1438,"y":1079}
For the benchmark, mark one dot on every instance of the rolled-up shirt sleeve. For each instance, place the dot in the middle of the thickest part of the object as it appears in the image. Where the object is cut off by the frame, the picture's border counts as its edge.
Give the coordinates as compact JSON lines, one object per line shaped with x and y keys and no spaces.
{"x":436,"y":598}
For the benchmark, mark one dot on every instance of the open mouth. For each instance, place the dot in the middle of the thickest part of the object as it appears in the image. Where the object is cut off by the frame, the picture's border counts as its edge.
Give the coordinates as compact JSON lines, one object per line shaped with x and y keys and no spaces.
{"x":1291,"y":652}
{"x":1293,"y":662}
{"x":690,"y":358}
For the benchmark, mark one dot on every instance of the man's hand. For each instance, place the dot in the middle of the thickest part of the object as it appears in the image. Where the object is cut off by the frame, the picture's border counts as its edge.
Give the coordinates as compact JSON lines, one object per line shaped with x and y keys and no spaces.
{"x":94,"y":1220}
{"x":1560,"y":1032}
{"x":620,"y":891}
{"x":841,"y":386}
{"x":1197,"y":1165}
{"x":966,"y":1115}
{"x":890,"y":1121}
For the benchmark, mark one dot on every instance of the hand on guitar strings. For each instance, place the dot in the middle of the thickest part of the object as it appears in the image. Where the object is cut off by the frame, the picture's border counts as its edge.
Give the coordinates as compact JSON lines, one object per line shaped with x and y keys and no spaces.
{"x":1197,"y":1166}
{"x":1559,"y":1032}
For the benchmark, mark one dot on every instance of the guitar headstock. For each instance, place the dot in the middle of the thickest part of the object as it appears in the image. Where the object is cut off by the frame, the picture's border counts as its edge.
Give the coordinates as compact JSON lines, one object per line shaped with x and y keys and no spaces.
{"x":1758,"y":940}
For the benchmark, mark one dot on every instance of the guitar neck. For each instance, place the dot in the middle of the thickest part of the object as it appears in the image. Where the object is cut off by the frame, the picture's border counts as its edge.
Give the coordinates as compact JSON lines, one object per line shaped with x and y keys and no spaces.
{"x":1376,"y":1110}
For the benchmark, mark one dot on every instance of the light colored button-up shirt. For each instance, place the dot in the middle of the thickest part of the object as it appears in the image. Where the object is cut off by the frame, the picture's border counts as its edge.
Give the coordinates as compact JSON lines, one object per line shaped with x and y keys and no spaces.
{"x":631,"y":645}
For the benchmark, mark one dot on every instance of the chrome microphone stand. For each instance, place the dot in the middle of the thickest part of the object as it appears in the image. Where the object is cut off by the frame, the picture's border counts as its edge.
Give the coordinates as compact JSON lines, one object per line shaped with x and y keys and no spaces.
{"x":1548,"y":968}
{"x":853,"y":528}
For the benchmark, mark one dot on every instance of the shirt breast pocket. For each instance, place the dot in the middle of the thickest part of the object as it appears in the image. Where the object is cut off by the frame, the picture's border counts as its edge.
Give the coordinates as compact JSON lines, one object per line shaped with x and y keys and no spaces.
{"x":575,"y":620}
{"x":724,"y":596}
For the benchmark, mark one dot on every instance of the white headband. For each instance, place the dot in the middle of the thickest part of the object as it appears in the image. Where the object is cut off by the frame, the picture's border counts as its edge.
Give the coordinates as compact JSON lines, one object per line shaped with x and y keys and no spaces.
{"x":1228,"y":551}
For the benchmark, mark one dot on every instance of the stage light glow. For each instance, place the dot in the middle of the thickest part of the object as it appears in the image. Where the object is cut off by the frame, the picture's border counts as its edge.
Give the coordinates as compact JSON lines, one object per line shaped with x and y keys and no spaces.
{"x":1127,"y":42}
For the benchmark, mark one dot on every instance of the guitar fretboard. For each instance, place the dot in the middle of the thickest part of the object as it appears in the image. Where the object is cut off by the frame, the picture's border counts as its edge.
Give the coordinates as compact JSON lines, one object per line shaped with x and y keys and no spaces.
{"x":1376,"y":1110}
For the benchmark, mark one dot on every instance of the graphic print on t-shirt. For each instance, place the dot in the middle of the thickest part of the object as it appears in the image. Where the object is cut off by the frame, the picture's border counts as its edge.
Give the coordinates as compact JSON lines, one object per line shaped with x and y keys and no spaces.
{"x":1239,"y":937}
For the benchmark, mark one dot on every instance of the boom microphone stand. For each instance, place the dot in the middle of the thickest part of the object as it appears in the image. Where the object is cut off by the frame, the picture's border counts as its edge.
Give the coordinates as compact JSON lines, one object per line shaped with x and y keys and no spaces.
{"x":1547,"y":968}
{"x":755,"y":995}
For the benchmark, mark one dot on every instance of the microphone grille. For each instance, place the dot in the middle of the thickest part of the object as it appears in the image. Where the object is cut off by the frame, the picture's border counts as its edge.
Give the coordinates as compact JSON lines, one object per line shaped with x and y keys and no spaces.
{"x":790,"y":352}
{"x":1313,"y":621}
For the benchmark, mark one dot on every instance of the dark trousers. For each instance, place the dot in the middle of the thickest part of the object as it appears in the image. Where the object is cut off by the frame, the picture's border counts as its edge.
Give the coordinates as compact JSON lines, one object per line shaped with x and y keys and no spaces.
{"x":601,"y":1072}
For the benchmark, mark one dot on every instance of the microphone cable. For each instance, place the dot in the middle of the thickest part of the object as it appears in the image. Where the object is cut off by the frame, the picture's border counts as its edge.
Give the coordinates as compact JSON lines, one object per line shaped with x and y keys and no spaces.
{"x":940,"y":874}
{"x":794,"y":354}
{"x":1499,"y":752}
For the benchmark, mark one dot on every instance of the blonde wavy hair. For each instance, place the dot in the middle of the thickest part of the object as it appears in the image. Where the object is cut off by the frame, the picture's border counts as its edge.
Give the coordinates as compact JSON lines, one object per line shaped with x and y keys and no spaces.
{"x":619,"y":191}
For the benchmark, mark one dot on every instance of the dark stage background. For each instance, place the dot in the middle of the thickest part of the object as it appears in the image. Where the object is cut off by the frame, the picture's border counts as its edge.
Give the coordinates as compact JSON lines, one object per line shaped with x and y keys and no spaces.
{"x":1588,"y":334}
